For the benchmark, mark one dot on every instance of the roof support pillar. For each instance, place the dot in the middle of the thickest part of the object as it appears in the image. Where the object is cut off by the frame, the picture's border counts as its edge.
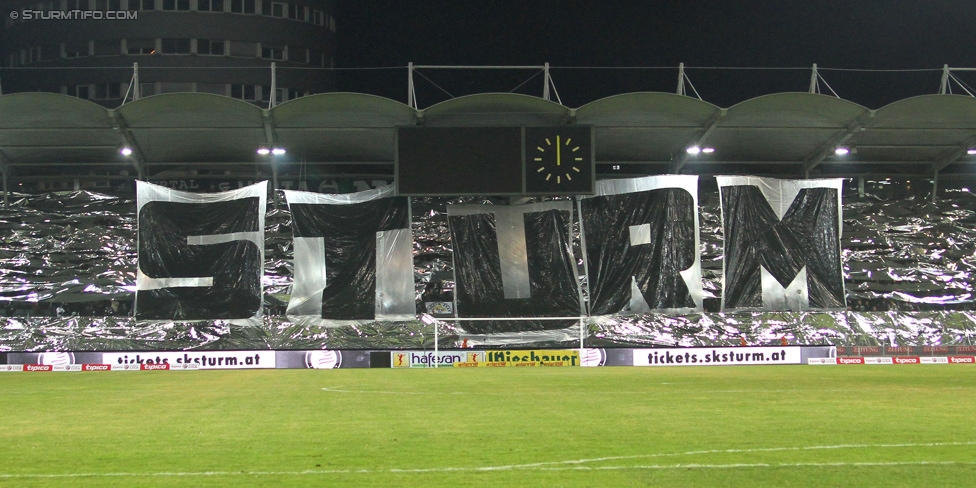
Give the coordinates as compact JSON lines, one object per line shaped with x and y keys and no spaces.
{"x":814,"y":160}
{"x":699,"y":139}
{"x":814,"y":88}
{"x":5,"y":169}
{"x":944,"y":86}
{"x":136,"y":89}
{"x":411,"y":92}
{"x":137,"y":157}
{"x":272,"y":97}
{"x":954,"y":155}
{"x":545,"y":89}
{"x":271,"y":138}
{"x":935,"y":184}
{"x":681,"y":79}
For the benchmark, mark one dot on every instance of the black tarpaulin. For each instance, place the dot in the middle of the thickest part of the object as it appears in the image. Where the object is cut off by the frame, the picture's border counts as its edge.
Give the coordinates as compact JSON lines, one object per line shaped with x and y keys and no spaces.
{"x":640,"y":239}
{"x":201,"y":256}
{"x":782,"y":244}
{"x":353,"y":257}
{"x":514,"y":261}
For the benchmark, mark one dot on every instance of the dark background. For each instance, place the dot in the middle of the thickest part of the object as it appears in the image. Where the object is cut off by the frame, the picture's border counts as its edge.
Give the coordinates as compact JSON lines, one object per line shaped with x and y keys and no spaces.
{"x":385,"y":35}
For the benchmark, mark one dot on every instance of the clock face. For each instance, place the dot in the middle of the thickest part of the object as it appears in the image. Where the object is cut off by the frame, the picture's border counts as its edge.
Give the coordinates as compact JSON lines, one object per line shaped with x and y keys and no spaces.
{"x":558,"y":160}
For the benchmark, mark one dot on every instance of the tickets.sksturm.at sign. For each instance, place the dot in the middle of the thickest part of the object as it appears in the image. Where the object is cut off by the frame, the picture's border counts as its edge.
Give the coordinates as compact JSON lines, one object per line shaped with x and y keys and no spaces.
{"x":717,"y":356}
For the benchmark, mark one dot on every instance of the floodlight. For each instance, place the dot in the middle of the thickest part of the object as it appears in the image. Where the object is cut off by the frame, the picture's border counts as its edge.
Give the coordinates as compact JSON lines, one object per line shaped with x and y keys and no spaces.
{"x":971,"y":152}
{"x":693,"y":150}
{"x":126,"y":151}
{"x":278,"y":151}
{"x":842,"y":151}
{"x":264,"y":151}
{"x":708,"y":150}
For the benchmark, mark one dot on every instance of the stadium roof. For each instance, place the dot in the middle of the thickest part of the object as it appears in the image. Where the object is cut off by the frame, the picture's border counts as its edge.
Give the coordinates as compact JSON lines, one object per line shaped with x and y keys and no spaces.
{"x":43,"y":135}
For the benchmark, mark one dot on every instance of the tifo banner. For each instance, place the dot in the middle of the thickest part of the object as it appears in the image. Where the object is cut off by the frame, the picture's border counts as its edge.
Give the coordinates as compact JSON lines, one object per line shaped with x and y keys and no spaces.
{"x":717,"y":356}
{"x":201,"y":255}
{"x":640,"y":242}
{"x":353,"y":257}
{"x":782,"y":244}
{"x":514,"y":261}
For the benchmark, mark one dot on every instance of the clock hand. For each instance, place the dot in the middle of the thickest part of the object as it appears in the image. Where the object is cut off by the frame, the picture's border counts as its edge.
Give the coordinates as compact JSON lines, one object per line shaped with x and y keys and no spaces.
{"x":558,"y":157}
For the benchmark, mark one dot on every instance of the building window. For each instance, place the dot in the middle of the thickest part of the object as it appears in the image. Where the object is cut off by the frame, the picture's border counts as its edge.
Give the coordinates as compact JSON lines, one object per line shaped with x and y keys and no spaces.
{"x":141,"y":46}
{"x":273,"y":52}
{"x":319,"y":17}
{"x":242,"y":6}
{"x":107,"y":91}
{"x":80,"y":91}
{"x":76,"y":49}
{"x":50,"y":51}
{"x":243,"y":49}
{"x":279,"y":9}
{"x":142,"y":4}
{"x":79,"y":5}
{"x":210,"y":5}
{"x":104,"y":5}
{"x":210,"y":48}
{"x":176,"y":4}
{"x":176,"y":46}
{"x":108,"y":47}
{"x":175,"y":87}
{"x":215,"y":88}
{"x":243,"y":92}
{"x":298,"y":55}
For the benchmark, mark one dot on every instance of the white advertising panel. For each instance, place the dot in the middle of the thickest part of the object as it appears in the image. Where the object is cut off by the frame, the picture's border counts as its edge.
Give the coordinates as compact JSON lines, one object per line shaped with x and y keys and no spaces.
{"x":203,"y":359}
{"x":717,"y":356}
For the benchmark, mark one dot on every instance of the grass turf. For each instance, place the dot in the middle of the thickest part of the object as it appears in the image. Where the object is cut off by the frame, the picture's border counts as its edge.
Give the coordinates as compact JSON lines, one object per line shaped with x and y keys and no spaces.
{"x":704,"y":426}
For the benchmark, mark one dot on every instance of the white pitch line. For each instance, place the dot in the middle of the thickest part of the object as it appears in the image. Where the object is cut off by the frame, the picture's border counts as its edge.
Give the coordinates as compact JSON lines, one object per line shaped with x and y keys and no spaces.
{"x":615,"y":392}
{"x":552,"y":466}
{"x":336,"y":390}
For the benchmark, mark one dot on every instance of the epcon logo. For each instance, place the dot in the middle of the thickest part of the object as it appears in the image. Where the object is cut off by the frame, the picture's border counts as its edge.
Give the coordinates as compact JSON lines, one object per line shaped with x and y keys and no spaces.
{"x":962,"y":359}
{"x":850,"y":360}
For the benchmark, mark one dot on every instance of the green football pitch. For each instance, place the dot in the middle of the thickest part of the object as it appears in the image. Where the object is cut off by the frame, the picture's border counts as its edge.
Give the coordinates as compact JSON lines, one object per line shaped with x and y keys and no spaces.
{"x":614,"y":426}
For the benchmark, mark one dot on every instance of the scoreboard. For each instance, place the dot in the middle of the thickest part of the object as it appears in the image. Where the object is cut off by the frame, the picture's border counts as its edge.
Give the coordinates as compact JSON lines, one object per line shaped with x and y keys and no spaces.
{"x":443,"y":161}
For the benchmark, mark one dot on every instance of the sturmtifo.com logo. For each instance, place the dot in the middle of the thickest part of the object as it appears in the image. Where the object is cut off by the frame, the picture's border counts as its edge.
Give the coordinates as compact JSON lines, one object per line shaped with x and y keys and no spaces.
{"x":28,"y":14}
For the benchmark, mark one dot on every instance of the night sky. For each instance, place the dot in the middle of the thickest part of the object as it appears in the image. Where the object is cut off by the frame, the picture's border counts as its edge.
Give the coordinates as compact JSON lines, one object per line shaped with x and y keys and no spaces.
{"x":852,"y":34}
